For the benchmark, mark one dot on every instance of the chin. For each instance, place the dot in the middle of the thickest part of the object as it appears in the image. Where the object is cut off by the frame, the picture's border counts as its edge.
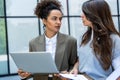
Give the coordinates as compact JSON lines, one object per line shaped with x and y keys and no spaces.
{"x":84,"y":24}
{"x":57,"y":30}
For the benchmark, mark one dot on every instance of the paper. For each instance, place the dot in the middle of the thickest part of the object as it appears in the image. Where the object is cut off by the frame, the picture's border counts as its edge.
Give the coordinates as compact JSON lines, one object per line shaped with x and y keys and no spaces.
{"x":72,"y":76}
{"x":114,"y":75}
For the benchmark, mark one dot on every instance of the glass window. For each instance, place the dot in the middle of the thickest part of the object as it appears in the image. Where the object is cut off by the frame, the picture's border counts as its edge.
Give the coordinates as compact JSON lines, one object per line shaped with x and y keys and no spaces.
{"x":3,"y":57}
{"x":64,"y":6}
{"x":3,"y":64}
{"x":119,"y":24}
{"x":75,"y":7}
{"x":20,"y":7}
{"x":1,"y":8}
{"x":41,"y":27}
{"x":119,"y":6}
{"x":64,"y":26}
{"x":2,"y":37}
{"x":13,"y":66}
{"x":113,"y":6}
{"x":115,"y":20}
{"x":21,"y":31}
{"x":76,"y":27}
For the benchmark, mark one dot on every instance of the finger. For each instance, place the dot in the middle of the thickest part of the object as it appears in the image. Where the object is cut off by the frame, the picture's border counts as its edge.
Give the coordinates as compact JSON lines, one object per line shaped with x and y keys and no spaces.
{"x":25,"y":74}
{"x":56,"y":75}
{"x":71,"y":72}
{"x":20,"y":71}
{"x":64,"y":72}
{"x":22,"y":75}
{"x":75,"y":72}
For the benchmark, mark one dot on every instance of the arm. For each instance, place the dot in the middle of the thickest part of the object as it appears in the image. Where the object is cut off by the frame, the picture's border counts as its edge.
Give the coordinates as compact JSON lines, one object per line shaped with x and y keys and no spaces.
{"x":75,"y":68}
{"x":73,"y":54}
{"x":115,"y":56}
{"x":73,"y":71}
{"x":116,"y":52}
{"x":118,"y":78}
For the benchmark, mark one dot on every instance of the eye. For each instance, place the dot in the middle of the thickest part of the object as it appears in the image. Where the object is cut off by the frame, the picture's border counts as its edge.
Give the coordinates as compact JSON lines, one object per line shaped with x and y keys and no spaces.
{"x":60,"y":18}
{"x":54,"y":18}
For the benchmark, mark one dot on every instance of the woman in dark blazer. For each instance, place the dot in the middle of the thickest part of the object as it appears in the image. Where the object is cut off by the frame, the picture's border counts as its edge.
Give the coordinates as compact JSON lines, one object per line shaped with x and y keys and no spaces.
{"x":65,"y":53}
{"x":64,"y":47}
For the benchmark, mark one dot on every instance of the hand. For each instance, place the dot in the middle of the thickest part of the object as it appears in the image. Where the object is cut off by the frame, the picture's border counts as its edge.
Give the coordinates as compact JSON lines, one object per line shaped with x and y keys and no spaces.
{"x":64,"y":72}
{"x":23,"y":74}
{"x":118,"y":78}
{"x":75,"y":68}
{"x":62,"y":78}
{"x":74,"y":71}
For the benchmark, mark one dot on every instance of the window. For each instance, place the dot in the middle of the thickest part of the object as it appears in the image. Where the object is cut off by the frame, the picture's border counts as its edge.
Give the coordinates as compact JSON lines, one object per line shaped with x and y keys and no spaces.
{"x":3,"y":50}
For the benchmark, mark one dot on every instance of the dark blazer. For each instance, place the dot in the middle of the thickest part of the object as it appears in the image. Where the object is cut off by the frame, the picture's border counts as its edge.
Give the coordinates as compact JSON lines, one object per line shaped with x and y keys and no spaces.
{"x":66,"y":50}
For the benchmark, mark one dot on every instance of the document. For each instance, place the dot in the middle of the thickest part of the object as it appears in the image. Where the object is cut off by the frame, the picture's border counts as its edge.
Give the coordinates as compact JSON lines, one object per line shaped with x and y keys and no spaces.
{"x":114,"y":75}
{"x":73,"y":77}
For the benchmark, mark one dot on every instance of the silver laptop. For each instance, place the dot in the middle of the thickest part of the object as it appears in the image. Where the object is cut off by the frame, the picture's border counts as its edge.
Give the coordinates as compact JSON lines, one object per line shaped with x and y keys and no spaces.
{"x":35,"y":62}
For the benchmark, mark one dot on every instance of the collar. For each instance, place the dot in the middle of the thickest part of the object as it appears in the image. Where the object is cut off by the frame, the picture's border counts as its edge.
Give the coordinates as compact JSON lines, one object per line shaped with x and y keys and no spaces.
{"x":54,"y":38}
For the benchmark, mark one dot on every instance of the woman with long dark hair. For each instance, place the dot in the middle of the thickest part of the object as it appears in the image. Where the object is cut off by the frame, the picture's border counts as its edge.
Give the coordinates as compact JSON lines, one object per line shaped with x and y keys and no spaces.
{"x":99,"y":50}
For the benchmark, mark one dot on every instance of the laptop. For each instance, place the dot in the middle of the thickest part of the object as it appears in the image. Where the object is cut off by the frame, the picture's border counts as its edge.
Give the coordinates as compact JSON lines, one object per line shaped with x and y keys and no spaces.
{"x":35,"y":62}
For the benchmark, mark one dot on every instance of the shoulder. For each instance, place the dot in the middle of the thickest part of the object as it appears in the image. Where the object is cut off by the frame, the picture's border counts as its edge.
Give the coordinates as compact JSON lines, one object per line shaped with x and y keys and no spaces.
{"x":67,"y":37}
{"x":115,"y":37}
{"x":36,"y":39}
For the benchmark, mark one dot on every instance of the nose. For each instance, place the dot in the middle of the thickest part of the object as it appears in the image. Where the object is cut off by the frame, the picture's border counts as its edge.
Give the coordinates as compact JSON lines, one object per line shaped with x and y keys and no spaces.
{"x":82,"y":15}
{"x":59,"y":21}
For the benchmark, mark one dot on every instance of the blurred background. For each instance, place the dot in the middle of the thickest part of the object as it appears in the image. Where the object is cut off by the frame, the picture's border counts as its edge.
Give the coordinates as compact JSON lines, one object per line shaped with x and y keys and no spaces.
{"x":18,"y":25}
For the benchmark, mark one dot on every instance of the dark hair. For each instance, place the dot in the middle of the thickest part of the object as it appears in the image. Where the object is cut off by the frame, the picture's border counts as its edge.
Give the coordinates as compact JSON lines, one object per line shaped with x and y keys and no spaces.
{"x":98,"y":12}
{"x":43,"y":8}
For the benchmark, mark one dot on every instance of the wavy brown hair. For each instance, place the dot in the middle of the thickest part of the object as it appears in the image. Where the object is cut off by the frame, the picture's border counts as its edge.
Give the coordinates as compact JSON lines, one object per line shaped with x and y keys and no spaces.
{"x":44,"y":7}
{"x":98,"y":12}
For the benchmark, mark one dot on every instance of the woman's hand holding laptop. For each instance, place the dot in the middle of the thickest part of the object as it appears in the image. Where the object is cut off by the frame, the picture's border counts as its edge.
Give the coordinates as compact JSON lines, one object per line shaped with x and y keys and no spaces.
{"x":23,"y":74}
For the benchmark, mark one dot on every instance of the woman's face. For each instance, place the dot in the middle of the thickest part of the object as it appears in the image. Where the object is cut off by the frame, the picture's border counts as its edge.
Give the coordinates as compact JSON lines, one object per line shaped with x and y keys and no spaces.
{"x":85,"y":21}
{"x":53,"y":21}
